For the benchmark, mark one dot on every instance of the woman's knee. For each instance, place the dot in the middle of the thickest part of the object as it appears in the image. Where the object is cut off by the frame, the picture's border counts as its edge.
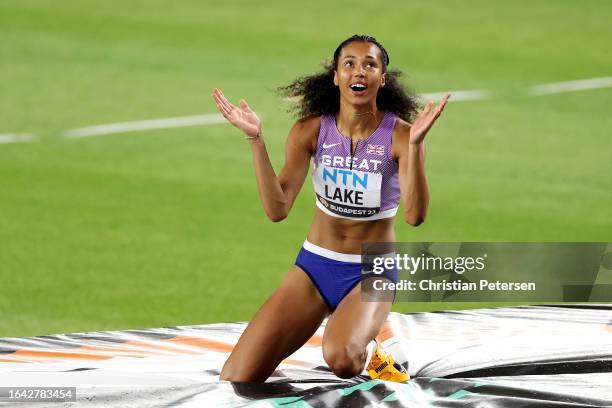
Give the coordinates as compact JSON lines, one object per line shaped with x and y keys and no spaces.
{"x":344,"y":359}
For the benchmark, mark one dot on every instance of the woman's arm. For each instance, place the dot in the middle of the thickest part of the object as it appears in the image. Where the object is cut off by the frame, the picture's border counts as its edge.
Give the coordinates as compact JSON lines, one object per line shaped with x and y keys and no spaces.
{"x":410,"y":142}
{"x":413,"y":182}
{"x":277,"y":193}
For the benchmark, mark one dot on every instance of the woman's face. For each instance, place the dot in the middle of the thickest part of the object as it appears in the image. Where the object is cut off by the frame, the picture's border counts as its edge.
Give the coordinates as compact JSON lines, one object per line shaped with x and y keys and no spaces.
{"x":359,"y":72}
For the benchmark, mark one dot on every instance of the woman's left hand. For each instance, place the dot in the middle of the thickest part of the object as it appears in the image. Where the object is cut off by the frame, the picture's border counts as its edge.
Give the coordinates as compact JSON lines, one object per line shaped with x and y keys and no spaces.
{"x":425,"y":121}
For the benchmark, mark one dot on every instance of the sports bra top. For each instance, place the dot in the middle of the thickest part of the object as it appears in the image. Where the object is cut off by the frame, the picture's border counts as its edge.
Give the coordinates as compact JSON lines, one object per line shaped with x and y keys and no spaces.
{"x":360,"y":186}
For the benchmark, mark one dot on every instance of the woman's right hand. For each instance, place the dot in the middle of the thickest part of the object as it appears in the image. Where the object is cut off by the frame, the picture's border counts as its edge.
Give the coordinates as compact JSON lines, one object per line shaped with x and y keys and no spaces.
{"x":242,"y":117}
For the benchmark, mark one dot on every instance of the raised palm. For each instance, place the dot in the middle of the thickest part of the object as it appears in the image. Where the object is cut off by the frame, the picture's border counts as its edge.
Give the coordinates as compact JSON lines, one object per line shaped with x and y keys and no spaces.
{"x":425,"y":120}
{"x":242,"y":117}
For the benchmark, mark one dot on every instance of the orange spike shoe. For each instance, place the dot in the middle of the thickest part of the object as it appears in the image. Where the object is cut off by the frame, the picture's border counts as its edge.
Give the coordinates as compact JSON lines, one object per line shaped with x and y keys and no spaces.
{"x":382,"y":366}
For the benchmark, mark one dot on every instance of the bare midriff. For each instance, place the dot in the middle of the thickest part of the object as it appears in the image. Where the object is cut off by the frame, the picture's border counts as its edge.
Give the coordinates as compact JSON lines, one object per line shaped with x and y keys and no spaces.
{"x":347,"y":236}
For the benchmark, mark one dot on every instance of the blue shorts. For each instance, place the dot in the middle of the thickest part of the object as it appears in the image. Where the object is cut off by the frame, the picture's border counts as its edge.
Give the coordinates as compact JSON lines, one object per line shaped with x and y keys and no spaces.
{"x":333,"y":273}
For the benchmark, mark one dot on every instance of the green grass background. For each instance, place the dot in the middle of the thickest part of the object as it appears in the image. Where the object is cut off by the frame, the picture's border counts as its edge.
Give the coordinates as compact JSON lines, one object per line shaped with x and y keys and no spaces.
{"x":165,"y":227}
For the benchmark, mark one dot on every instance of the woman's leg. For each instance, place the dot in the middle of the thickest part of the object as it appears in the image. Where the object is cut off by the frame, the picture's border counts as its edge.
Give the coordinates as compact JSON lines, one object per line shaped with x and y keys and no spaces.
{"x":282,"y":325}
{"x":350,"y":328}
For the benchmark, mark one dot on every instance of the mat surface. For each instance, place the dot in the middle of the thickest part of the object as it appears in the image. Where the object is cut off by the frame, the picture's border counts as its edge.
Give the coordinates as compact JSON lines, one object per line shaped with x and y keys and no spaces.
{"x":544,"y":356}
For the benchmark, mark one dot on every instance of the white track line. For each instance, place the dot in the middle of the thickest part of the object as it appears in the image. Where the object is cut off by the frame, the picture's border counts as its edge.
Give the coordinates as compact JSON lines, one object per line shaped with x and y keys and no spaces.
{"x":139,"y":125}
{"x":15,"y":137}
{"x":166,"y":123}
{"x":457,"y":96}
{"x":570,"y":86}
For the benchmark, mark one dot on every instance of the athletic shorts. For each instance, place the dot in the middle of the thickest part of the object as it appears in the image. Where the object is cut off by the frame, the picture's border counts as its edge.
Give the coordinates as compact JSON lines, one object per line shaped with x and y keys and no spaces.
{"x":334,"y":274}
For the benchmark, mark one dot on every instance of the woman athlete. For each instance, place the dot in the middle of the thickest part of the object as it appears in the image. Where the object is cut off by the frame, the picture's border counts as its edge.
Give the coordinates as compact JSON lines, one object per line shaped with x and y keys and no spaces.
{"x":353,"y":124}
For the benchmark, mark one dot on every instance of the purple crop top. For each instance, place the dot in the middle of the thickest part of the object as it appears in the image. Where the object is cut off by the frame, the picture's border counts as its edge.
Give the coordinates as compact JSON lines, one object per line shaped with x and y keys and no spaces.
{"x":363,"y":186}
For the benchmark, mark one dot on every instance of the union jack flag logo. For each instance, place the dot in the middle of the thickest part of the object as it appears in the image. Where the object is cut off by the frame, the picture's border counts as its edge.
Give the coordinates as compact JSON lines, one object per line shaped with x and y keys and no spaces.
{"x":375,"y":149}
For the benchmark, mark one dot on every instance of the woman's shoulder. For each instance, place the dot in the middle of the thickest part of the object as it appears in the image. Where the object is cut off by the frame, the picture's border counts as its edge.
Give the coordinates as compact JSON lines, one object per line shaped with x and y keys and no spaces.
{"x":400,"y":137}
{"x":401,"y":127}
{"x":309,"y":125}
{"x":306,"y":131}
{"x":310,"y":121}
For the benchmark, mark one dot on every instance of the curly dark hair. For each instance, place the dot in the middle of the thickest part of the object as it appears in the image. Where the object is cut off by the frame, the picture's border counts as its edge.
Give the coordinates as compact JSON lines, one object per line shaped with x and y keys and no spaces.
{"x":316,"y":94}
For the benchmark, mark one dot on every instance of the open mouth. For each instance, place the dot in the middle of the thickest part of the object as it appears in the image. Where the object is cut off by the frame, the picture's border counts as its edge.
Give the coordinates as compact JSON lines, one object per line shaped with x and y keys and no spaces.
{"x":358,"y":89}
